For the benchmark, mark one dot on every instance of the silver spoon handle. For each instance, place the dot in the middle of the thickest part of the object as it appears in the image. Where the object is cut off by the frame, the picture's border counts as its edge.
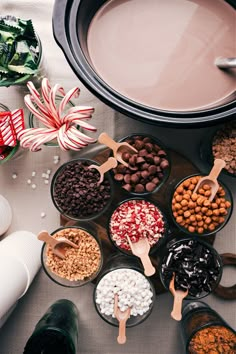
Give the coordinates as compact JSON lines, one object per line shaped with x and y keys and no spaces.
{"x":225,"y":63}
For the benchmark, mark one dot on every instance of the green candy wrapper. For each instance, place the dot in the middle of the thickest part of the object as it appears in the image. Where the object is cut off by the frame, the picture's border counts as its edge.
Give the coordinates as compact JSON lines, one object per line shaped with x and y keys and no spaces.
{"x":19,"y":50}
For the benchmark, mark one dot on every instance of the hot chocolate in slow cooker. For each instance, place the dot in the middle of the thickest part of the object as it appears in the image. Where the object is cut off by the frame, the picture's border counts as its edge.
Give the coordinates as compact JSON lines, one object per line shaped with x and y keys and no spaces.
{"x":153,"y":60}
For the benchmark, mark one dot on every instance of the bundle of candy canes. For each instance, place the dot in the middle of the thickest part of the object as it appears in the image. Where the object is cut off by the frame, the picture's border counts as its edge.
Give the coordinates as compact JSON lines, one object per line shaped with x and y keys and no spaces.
{"x":57,"y":124}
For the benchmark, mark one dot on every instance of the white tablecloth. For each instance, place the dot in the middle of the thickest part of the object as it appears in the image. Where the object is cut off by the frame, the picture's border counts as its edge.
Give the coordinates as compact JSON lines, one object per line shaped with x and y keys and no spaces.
{"x":159,"y":334}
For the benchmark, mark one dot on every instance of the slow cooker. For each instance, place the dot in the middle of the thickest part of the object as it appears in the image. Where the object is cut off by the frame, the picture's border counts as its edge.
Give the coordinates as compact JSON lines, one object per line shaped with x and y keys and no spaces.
{"x":162,"y":71}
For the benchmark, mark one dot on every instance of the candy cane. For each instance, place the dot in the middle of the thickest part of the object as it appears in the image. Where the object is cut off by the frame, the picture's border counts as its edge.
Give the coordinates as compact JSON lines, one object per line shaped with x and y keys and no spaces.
{"x":82,"y":136}
{"x":70,"y":117}
{"x":81,"y":109}
{"x":83,"y":124}
{"x":35,"y":96}
{"x":76,"y":138}
{"x":33,"y":138}
{"x":71,"y":143}
{"x":73,"y":92}
{"x":52,"y":102}
{"x":63,"y":128}
{"x":45,"y":120}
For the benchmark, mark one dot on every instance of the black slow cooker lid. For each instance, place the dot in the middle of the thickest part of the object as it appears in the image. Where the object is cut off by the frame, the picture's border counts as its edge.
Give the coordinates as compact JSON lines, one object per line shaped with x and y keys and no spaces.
{"x":71,"y":19}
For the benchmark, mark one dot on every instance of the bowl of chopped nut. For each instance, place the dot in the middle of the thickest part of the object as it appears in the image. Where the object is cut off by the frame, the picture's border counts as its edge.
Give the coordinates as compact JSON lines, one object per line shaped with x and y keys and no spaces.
{"x":193,"y":213}
{"x":79,"y":266}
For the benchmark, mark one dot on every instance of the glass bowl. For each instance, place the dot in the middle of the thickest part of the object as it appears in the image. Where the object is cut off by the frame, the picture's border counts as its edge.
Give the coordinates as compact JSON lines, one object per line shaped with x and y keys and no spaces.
{"x":149,"y":168}
{"x":8,"y":149}
{"x":135,"y":226}
{"x":116,"y":265}
{"x":191,"y":258}
{"x":75,"y":192}
{"x":223,"y":140}
{"x":22,"y":80}
{"x":79,"y":236}
{"x":215,"y":221}
{"x":10,"y":153}
{"x":198,"y":316}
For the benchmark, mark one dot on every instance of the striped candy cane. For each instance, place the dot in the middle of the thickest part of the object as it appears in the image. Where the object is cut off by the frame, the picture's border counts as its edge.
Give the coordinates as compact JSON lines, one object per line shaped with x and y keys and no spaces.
{"x":58,"y":125}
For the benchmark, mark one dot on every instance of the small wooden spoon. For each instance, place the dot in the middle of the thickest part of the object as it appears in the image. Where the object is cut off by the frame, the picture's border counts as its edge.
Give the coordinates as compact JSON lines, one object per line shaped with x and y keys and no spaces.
{"x":57,"y":245}
{"x":141,"y":249}
{"x":179,"y":295}
{"x":106,"y":166}
{"x":117,"y":148}
{"x":211,"y":179}
{"x":122,"y":317}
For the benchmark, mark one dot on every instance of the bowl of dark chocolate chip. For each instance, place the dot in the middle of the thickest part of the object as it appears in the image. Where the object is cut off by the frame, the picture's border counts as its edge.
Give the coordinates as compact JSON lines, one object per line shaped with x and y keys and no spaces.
{"x":196,"y":264}
{"x":76,"y":191}
{"x":147,"y":169}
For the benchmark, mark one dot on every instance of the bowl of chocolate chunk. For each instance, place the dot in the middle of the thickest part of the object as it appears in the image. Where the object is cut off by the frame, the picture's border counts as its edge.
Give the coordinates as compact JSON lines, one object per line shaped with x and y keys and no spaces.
{"x":79,"y":265}
{"x":193,"y":213}
{"x":196,"y":264}
{"x":147,"y":169}
{"x":77,"y":192}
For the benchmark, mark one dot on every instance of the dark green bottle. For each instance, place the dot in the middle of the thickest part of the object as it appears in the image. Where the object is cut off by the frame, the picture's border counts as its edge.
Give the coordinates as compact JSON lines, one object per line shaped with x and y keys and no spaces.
{"x":57,"y":330}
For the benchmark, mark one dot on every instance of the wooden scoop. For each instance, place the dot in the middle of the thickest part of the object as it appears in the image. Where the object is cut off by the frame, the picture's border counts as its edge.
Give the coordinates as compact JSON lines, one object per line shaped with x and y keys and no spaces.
{"x":141,"y":249}
{"x":179,"y":295}
{"x":106,"y":166}
{"x":122,"y":317}
{"x":117,"y":148}
{"x":211,"y":179}
{"x":57,"y":245}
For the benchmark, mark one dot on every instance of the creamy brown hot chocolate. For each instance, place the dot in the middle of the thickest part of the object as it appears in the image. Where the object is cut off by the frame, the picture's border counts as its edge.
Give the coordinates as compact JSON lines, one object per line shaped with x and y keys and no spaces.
{"x":161,"y":53}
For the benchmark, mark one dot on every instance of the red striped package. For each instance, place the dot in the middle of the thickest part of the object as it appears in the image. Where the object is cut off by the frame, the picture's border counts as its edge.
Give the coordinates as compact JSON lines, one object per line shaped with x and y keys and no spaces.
{"x":18,"y":120}
{"x":11,"y":123}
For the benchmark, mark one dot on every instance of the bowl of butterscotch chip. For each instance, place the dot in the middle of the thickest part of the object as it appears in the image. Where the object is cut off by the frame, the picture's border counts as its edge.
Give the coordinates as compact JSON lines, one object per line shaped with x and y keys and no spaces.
{"x":193,"y":213}
{"x":79,"y":265}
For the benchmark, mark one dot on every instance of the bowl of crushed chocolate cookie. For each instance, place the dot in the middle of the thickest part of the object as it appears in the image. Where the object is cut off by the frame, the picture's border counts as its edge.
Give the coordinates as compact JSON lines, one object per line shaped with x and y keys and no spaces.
{"x":220,"y":143}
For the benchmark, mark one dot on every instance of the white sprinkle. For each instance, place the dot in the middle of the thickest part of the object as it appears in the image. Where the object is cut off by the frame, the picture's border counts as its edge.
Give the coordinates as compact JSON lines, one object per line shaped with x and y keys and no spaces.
{"x":47,"y":176}
{"x":56,"y":157}
{"x":14,"y":175}
{"x":46,"y":181}
{"x":33,"y":174}
{"x":28,"y":181}
{"x":33,"y":186}
{"x":48,"y":172}
{"x":43,"y":175}
{"x":56,"y":162}
{"x":43,"y":215}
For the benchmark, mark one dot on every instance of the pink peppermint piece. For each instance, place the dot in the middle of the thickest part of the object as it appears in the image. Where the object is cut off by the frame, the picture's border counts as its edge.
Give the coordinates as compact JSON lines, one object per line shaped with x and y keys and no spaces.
{"x":136,"y":218}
